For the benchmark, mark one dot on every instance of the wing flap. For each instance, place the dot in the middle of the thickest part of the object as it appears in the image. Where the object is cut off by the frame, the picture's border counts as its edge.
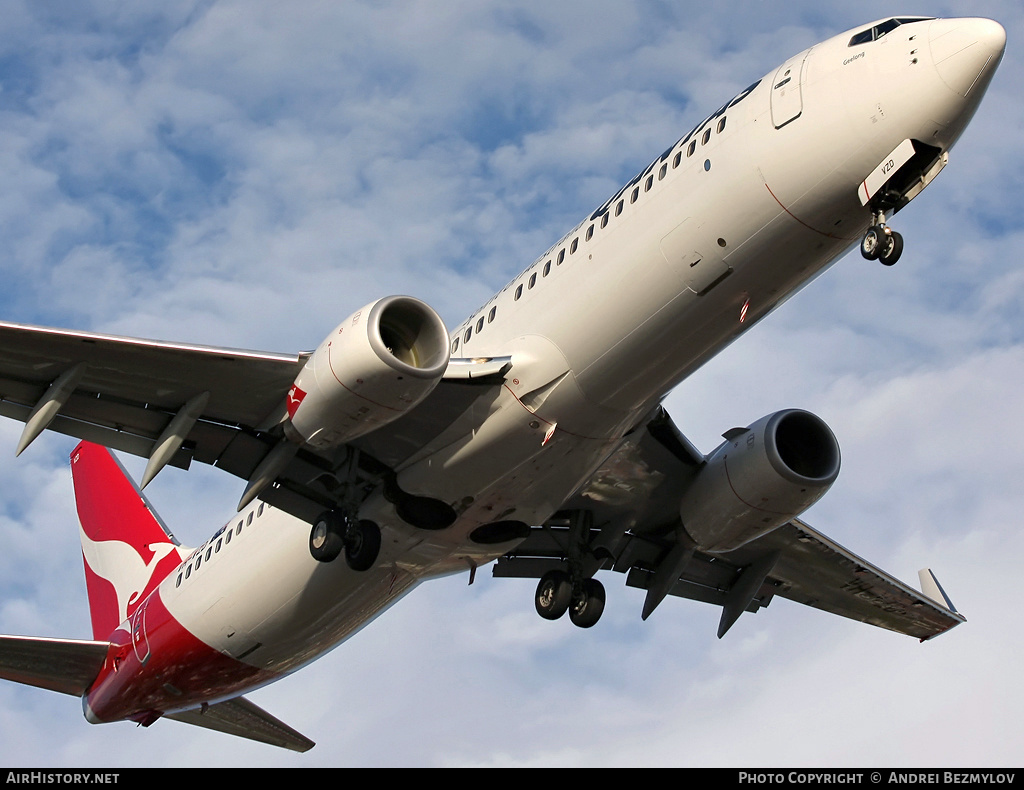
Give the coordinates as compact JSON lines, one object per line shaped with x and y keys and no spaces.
{"x":244,"y":719}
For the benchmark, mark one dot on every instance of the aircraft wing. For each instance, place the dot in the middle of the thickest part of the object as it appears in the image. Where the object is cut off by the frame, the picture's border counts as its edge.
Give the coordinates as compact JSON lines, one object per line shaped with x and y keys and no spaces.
{"x":634,"y":504}
{"x":127,"y":389}
{"x":217,"y":406}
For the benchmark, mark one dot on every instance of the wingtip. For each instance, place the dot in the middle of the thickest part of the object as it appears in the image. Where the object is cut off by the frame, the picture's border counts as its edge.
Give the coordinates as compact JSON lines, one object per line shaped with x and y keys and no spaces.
{"x":930,"y":586}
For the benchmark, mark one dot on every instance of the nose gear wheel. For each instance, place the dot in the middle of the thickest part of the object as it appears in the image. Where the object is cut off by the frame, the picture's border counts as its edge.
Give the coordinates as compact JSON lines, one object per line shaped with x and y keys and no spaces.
{"x":882,"y":243}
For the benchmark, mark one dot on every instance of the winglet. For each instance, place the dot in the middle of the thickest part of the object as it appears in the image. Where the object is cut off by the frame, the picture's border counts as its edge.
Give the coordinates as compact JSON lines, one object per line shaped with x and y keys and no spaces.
{"x":930,"y":586}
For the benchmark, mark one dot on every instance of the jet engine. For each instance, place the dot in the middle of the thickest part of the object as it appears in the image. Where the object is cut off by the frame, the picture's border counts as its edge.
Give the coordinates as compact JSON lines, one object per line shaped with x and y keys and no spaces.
{"x":760,"y":478}
{"x":375,"y":366}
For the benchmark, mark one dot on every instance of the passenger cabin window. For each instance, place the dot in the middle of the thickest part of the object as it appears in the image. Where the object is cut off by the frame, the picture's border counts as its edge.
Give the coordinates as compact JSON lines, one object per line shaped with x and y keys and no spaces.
{"x":677,"y":160}
{"x":455,"y":345}
{"x":706,"y":137}
{"x":547,"y":268}
{"x":661,"y":173}
{"x":604,"y":220}
{"x":561,"y":257}
{"x":721,"y":126}
{"x":533,"y":279}
{"x":590,"y":233}
{"x":490,"y":315}
{"x":519,"y":291}
{"x":618,"y":208}
{"x":574,"y":245}
{"x":691,"y":148}
{"x":635,"y":195}
{"x":480,"y":324}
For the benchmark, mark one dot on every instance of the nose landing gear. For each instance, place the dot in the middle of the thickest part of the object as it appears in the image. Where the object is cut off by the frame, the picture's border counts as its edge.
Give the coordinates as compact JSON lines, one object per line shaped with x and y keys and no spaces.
{"x":882,"y":243}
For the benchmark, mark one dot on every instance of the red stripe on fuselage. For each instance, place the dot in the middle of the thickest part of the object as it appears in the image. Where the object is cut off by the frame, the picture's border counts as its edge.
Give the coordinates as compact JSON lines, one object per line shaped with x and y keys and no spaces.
{"x":155,"y":665}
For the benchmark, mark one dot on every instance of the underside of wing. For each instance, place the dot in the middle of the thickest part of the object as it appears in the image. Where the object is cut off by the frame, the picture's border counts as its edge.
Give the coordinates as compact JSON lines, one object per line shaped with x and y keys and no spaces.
{"x":627,"y":518}
{"x":123,"y":392}
{"x":65,"y":665}
{"x":242,"y":718}
{"x":178,"y":403}
{"x":814,"y":570}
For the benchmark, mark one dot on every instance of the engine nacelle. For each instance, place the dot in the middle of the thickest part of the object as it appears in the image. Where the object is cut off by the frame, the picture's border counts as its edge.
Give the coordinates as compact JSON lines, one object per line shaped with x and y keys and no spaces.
{"x":374,"y":367}
{"x":760,"y":478}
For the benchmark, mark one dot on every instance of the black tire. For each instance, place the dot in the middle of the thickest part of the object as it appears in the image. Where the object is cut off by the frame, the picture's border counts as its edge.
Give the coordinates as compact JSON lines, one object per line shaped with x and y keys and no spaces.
{"x":873,"y":243}
{"x":892,"y":251}
{"x":554,"y":594}
{"x":587,"y":609}
{"x":326,"y":538}
{"x":362,"y":545}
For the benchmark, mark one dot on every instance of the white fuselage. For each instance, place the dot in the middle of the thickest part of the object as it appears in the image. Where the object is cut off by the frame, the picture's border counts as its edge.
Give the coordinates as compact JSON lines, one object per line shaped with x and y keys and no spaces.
{"x":730,"y":221}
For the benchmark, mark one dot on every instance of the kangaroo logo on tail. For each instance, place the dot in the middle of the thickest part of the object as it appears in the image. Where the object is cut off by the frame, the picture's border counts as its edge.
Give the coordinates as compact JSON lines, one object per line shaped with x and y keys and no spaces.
{"x":126,"y":547}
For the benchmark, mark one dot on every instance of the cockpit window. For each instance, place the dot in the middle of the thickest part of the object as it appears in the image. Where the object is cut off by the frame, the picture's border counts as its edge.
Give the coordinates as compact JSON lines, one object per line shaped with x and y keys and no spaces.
{"x":879,"y":30}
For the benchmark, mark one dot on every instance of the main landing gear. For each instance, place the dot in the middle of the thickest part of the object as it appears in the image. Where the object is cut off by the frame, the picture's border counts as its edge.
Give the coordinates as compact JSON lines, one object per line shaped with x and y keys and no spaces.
{"x":572,"y":587}
{"x":557,"y":594}
{"x":335,"y":531}
{"x":881,"y":243}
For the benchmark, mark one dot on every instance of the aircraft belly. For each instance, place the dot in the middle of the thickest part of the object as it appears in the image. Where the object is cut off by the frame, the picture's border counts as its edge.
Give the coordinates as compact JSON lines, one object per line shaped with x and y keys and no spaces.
{"x":519,"y":434}
{"x":307,"y":609}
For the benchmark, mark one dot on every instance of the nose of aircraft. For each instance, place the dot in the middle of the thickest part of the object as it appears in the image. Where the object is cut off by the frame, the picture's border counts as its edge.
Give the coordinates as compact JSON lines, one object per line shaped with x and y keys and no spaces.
{"x":966,"y":52}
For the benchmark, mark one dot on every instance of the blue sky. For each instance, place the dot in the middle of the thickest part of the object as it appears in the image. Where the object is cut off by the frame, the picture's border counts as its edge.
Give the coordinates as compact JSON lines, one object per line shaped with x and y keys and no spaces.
{"x":246,"y":175}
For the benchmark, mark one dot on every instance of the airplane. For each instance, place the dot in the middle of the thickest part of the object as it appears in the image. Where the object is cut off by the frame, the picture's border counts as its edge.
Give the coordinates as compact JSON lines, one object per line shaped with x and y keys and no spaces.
{"x":531,"y":436}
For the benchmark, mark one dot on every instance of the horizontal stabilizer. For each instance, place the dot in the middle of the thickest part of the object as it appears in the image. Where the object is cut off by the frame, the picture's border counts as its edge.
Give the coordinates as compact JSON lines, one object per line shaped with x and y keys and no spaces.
{"x":240,"y":717}
{"x":65,"y":665}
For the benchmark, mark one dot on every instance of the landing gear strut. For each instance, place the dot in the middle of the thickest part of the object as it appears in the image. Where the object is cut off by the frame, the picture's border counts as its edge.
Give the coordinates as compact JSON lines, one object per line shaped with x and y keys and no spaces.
{"x":881,"y":243}
{"x":572,"y":587}
{"x":334,"y":532}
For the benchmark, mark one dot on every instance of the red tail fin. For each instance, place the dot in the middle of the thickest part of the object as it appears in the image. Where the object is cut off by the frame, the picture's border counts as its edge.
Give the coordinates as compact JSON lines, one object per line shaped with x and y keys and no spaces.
{"x":126,"y":548}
